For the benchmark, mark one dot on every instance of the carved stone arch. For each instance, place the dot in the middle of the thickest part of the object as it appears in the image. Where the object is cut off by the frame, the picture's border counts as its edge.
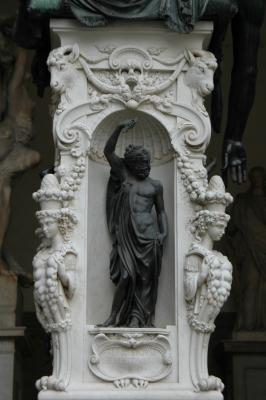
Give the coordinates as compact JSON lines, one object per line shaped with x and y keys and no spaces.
{"x":148,"y":132}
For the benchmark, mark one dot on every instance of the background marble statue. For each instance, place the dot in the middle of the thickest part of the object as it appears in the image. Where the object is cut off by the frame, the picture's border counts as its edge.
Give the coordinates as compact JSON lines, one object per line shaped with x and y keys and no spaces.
{"x":247,"y":240}
{"x":137,"y":241}
{"x":7,"y":62}
{"x":15,"y":134}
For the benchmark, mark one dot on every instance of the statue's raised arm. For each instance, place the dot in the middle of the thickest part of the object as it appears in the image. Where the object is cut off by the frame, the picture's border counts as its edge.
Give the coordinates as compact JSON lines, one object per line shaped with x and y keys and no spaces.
{"x":116,"y":162}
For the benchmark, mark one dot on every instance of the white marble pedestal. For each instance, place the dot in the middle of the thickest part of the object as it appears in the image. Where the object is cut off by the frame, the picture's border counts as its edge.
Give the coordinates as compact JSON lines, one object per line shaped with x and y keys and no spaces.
{"x":100,"y":77}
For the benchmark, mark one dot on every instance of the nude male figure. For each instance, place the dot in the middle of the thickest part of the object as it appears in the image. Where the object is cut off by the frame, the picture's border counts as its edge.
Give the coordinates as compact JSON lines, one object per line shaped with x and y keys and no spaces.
{"x":137,"y":236}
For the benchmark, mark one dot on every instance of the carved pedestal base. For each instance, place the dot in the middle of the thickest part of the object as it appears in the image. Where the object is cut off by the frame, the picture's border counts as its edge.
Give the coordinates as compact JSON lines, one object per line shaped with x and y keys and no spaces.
{"x":130,"y":357}
{"x":99,"y":78}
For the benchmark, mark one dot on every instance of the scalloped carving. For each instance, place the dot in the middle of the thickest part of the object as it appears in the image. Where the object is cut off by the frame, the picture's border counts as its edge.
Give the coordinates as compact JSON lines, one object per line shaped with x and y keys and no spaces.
{"x":148,"y":132}
{"x":130,"y":57}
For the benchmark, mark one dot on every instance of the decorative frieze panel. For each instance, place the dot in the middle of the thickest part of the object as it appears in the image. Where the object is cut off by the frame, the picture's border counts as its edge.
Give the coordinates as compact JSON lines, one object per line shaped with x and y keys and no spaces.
{"x":130,"y":358}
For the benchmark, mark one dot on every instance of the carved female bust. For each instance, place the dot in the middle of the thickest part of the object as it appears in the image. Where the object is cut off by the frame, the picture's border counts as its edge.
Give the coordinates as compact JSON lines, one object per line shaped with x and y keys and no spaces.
{"x":54,"y":270}
{"x":208,"y":273}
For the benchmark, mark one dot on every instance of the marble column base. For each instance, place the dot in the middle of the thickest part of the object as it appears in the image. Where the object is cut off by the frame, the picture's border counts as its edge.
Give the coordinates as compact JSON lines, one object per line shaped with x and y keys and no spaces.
{"x":170,"y":392}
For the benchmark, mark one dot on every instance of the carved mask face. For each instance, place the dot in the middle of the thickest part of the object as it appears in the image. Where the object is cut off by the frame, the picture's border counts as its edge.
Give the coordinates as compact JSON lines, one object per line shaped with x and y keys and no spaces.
{"x":216,"y":231}
{"x":49,"y":227}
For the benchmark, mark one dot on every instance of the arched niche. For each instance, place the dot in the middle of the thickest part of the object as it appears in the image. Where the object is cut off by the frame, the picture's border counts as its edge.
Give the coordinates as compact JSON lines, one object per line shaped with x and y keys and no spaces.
{"x":150,"y":133}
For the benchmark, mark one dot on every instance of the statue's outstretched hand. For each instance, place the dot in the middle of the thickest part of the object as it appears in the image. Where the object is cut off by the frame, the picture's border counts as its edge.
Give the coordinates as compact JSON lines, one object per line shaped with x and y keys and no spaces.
{"x":127,"y":124}
{"x":234,"y":160}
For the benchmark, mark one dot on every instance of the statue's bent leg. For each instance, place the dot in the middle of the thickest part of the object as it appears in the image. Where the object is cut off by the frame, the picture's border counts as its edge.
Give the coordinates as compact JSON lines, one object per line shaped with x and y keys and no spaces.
{"x":145,"y":299}
{"x":221,"y":12}
{"x":119,"y":296}
{"x":246,"y":36}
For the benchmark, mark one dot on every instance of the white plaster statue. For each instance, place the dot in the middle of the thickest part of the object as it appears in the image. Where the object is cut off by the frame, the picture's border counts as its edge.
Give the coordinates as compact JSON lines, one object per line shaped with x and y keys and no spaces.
{"x":208,"y":278}
{"x":15,"y":154}
{"x":54,"y":270}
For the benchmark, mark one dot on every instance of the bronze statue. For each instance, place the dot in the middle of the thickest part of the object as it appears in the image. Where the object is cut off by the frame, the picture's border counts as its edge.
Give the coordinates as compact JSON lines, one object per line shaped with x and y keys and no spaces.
{"x":246,"y":246}
{"x":16,"y":156}
{"x":137,"y":238}
{"x":178,"y":15}
{"x":246,"y":26}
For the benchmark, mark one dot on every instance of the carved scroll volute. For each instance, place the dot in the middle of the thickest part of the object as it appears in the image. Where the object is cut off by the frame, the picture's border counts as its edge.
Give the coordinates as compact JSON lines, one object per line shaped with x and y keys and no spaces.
{"x":193,"y":123}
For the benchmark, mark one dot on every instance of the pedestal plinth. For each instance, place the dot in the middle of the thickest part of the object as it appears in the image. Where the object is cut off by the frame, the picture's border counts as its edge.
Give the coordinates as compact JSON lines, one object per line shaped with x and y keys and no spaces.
{"x":99,"y":78}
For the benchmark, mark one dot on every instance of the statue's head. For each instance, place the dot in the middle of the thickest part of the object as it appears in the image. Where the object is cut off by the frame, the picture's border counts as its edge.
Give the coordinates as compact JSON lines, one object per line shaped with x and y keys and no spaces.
{"x":212,"y":223}
{"x":62,"y":64}
{"x":56,"y":221}
{"x":212,"y":219}
{"x":201,"y":66}
{"x":138,"y":161}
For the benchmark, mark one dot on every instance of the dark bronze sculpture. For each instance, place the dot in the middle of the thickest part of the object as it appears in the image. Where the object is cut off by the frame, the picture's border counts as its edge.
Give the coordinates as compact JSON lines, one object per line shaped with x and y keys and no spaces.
{"x":178,"y":15}
{"x":245,"y":243}
{"x":246,"y":26}
{"x":137,"y":237}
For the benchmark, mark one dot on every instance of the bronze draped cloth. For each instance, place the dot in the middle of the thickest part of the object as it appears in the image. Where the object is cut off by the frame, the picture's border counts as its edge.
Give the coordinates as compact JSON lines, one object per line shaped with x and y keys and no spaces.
{"x":179,"y":15}
{"x":132,"y":254}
